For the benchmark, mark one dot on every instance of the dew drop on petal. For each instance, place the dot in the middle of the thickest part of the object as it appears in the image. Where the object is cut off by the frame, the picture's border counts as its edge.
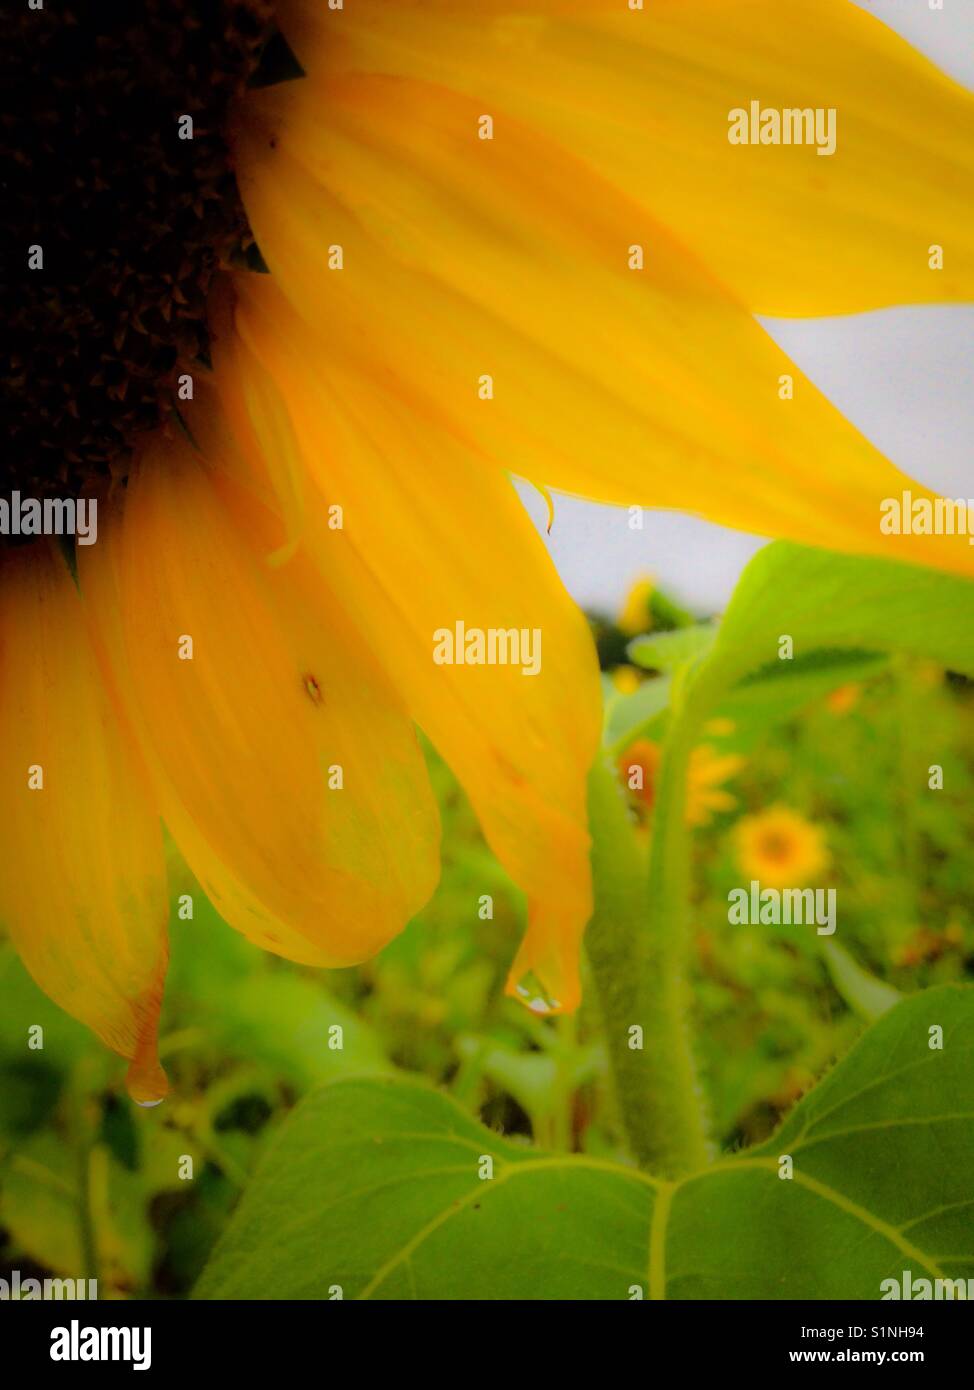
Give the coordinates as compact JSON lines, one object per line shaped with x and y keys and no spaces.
{"x":534,"y":996}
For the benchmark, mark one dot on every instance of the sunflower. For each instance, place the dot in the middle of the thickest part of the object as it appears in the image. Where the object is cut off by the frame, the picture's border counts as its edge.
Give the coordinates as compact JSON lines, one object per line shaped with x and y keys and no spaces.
{"x":302,"y":282}
{"x":780,"y":849}
{"x":708,"y":770}
{"x":635,"y":617}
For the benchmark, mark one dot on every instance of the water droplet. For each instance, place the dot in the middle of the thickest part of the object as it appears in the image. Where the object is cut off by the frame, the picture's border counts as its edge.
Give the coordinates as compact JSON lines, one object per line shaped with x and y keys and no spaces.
{"x":149,"y":1104}
{"x":534,"y":996}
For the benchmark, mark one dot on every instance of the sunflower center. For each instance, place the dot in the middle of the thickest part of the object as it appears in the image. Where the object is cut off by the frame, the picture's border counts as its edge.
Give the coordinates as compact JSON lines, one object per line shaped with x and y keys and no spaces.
{"x":777,"y":847}
{"x":118,"y":205}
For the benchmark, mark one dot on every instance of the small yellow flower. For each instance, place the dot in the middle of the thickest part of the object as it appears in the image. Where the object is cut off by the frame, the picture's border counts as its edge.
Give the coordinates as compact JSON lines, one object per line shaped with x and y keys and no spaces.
{"x":780,"y":849}
{"x":705,"y":793}
{"x":634,"y":616}
{"x":640,"y":768}
{"x":625,"y":679}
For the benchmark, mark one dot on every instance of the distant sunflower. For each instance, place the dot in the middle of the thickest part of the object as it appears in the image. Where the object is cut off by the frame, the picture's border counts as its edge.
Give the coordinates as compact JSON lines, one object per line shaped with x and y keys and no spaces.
{"x":708,"y":771}
{"x":634,"y":617}
{"x":843,"y":698}
{"x":509,"y":235}
{"x":781,"y":849}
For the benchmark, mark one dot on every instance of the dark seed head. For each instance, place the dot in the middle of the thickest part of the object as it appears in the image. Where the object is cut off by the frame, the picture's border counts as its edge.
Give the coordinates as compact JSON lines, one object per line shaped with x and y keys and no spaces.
{"x":125,"y":219}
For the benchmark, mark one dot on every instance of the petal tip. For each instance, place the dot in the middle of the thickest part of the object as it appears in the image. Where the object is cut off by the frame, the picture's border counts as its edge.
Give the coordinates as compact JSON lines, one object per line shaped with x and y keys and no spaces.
{"x":146,"y":1082}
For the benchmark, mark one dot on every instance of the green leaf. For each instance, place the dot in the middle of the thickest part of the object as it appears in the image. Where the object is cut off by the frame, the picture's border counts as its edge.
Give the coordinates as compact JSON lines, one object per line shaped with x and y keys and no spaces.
{"x":253,"y":1027}
{"x":665,"y":651}
{"x":531,"y":1077}
{"x":269,"y":1013}
{"x":776,"y":694}
{"x":373,"y":1186}
{"x":628,"y":717}
{"x":844,"y":603}
{"x":25,"y":1007}
{"x":871,"y":998}
{"x":40,"y":1210}
{"x":39,"y":1203}
{"x":843,"y":614}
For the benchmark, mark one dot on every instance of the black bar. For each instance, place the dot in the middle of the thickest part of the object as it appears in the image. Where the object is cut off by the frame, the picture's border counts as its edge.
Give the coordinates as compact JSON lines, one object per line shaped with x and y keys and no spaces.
{"x":271,"y":1336}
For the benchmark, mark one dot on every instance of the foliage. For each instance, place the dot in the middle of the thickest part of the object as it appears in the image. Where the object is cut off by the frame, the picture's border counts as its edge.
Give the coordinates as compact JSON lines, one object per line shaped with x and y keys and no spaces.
{"x":312,"y":1135}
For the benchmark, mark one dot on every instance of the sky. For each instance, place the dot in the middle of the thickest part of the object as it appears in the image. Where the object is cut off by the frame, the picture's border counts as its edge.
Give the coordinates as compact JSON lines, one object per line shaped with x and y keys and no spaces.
{"x":904,"y":377}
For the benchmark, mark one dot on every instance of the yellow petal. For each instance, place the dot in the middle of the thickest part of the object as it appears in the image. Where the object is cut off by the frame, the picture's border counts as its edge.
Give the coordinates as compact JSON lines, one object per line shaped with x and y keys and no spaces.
{"x":283,"y":761}
{"x":646,"y":98}
{"x":502,"y":267}
{"x":82,"y":889}
{"x":433,"y":536}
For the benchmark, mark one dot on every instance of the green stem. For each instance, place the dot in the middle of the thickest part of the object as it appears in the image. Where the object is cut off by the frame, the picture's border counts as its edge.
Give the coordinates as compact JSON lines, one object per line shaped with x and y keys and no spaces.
{"x":81,"y":1134}
{"x":908,"y":884}
{"x":614,"y":946}
{"x":640,"y":966}
{"x":565,"y":1098}
{"x":680,"y":1111}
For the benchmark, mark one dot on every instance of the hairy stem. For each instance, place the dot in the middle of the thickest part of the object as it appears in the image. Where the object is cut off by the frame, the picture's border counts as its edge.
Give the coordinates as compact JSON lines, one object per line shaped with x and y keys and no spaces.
{"x":638,"y":945}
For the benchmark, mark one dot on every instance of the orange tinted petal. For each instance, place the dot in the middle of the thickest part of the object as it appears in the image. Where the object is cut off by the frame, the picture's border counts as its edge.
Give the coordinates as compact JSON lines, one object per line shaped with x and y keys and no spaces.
{"x":433,"y":536}
{"x":282,"y":759}
{"x":83,"y":888}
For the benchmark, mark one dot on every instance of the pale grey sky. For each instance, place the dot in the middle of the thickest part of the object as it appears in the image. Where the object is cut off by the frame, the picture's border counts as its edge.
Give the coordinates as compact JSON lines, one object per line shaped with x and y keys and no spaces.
{"x":905,"y":377}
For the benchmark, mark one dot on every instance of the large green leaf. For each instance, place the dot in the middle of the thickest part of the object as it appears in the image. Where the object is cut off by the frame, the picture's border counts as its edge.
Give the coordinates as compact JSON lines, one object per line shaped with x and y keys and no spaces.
{"x":846,"y":604}
{"x":844,"y":614}
{"x":373,"y":1187}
